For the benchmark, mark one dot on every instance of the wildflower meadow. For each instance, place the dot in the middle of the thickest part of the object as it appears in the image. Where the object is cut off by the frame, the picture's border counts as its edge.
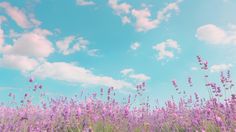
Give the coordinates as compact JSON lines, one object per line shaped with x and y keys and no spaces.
{"x":190,"y":113}
{"x":117,"y":66}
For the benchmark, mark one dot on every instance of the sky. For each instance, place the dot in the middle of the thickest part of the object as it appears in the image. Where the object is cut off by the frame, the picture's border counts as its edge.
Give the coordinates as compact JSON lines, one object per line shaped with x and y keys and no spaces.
{"x":74,"y":45}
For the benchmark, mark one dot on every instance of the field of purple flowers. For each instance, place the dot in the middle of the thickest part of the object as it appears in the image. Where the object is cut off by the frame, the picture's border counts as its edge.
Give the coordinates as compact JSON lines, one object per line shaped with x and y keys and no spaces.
{"x":191,"y":113}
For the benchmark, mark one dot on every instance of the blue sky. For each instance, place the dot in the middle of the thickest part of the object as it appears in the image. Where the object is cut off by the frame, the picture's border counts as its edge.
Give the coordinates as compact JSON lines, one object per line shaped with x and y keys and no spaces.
{"x":69,"y":45}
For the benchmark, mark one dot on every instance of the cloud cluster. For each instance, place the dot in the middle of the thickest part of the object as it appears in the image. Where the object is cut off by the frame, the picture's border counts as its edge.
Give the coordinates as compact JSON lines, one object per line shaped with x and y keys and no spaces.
{"x":30,"y":50}
{"x":143,"y":22}
{"x":21,"y":19}
{"x":119,"y":8}
{"x":22,"y":63}
{"x":165,"y":49}
{"x":71,"y":44}
{"x":74,"y":74}
{"x":27,"y":50}
{"x":212,"y":34}
{"x":31,"y":44}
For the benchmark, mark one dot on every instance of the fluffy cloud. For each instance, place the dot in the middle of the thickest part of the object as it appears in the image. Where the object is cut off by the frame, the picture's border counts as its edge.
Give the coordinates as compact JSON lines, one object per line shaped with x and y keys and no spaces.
{"x":143,"y":21}
{"x":26,"y":51}
{"x":85,"y":2}
{"x":61,"y":71}
{"x":135,"y":46}
{"x":122,"y":8}
{"x":22,"y":63}
{"x":212,"y":34}
{"x":142,"y":16}
{"x":19,"y":16}
{"x":220,"y":67}
{"x":29,"y":51}
{"x":77,"y":43}
{"x":140,"y":77}
{"x":165,"y":48}
{"x":165,"y":13}
{"x":129,"y":72}
{"x":75,"y":74}
{"x":32,"y":44}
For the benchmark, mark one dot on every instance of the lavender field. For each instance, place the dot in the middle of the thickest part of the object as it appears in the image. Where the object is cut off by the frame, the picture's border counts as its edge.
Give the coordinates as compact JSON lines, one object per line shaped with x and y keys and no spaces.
{"x":117,"y":66}
{"x":190,"y":113}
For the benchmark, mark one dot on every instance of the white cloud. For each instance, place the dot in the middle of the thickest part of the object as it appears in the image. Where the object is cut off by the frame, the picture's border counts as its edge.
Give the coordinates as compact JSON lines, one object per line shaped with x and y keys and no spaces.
{"x":30,"y":49}
{"x":71,"y":73}
{"x":129,"y":72}
{"x":212,"y":34}
{"x":71,"y":44}
{"x":63,"y":45}
{"x":142,"y":16}
{"x":32,"y":44}
{"x":22,"y":63}
{"x":140,"y":77}
{"x":19,"y":16}
{"x":135,"y":46}
{"x":85,"y":2}
{"x":61,"y":71}
{"x":220,"y":67}
{"x":165,"y":48}
{"x":143,"y":21}
{"x":122,"y":8}
{"x":165,"y":13}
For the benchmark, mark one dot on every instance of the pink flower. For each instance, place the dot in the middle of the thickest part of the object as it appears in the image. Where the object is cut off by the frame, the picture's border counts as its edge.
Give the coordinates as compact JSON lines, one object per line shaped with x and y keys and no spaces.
{"x":218,"y":120}
{"x":174,"y":83}
{"x":31,"y":79}
{"x":190,"y":82}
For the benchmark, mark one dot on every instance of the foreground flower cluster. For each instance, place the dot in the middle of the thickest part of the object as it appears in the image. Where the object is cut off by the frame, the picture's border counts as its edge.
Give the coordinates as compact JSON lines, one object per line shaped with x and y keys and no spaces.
{"x":190,"y":113}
